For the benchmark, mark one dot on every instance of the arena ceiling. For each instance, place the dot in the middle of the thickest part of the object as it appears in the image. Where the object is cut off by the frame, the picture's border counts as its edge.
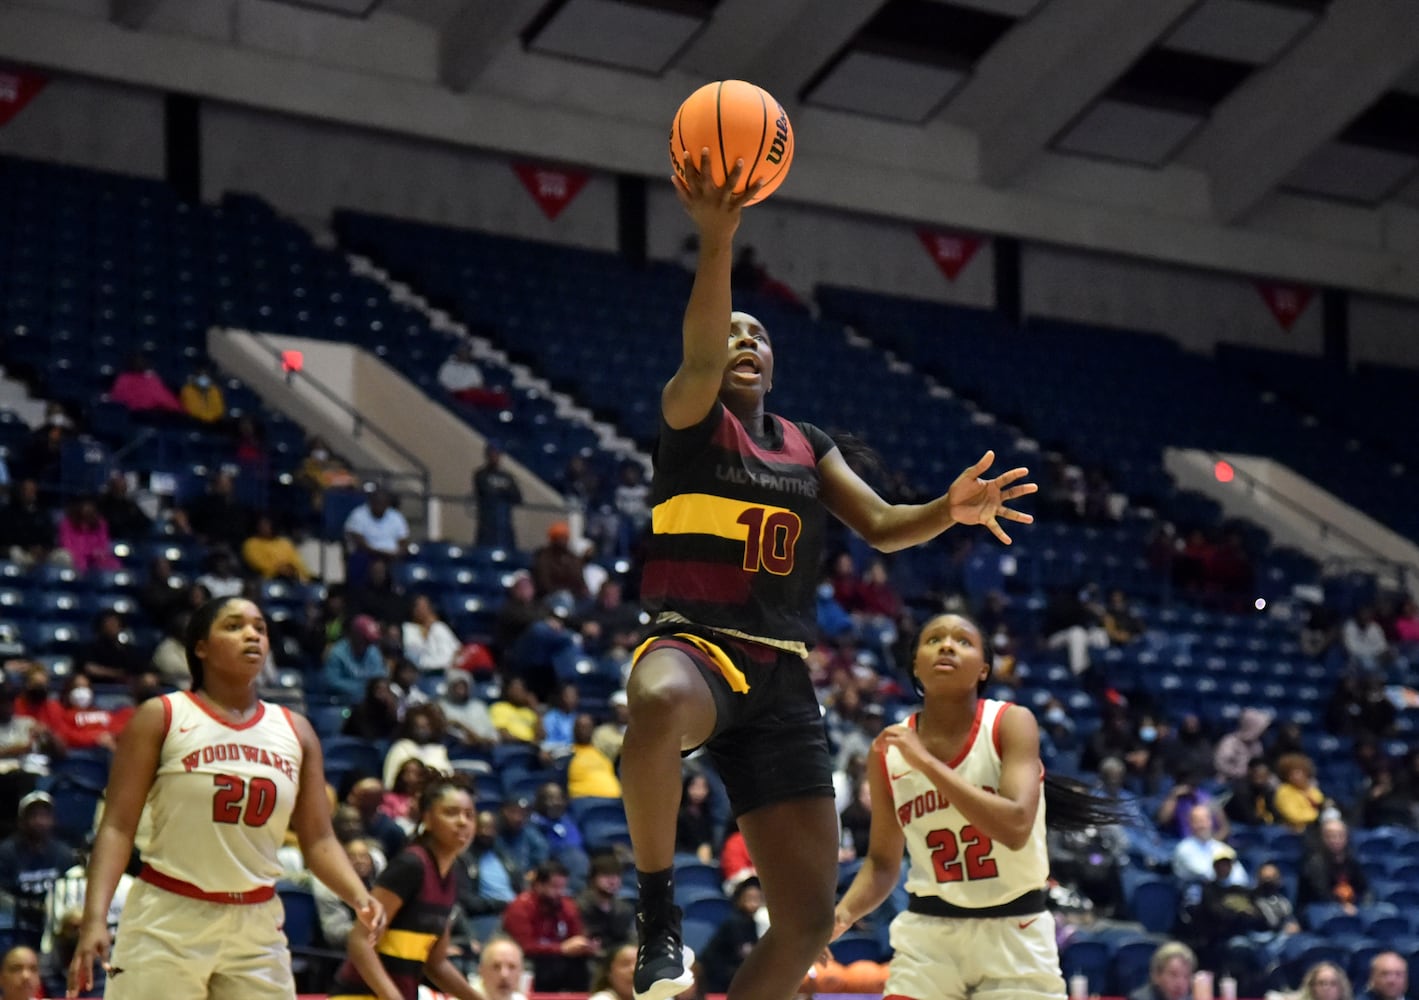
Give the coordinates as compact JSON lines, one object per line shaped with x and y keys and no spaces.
{"x":1212,"y":110}
{"x":1311,"y":96}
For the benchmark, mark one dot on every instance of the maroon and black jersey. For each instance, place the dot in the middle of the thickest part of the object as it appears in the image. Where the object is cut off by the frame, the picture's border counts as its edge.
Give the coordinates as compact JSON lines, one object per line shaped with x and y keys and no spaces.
{"x":737,"y":526}
{"x":428,"y":899}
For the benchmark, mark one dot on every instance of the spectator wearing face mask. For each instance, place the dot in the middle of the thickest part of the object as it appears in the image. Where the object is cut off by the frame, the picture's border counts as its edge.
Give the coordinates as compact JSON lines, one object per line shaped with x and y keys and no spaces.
{"x":202,"y":398}
{"x":81,"y":724}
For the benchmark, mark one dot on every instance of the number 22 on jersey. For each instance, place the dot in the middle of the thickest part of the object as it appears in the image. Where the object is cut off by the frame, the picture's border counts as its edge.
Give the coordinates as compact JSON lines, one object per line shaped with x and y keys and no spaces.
{"x":946,"y":855}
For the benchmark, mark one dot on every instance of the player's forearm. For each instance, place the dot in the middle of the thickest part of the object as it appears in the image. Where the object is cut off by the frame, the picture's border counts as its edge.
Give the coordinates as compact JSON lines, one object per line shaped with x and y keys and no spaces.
{"x":366,"y":962}
{"x":1001,"y":819}
{"x":705,"y":330}
{"x":870,"y":888}
{"x":901,"y":526}
{"x":446,"y":977}
{"x":328,"y":862}
{"x":112,"y":849}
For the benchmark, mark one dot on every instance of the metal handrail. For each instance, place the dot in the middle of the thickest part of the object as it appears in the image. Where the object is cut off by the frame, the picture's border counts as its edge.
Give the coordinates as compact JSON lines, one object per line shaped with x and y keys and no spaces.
{"x":1325,"y":528}
{"x":358,"y":420}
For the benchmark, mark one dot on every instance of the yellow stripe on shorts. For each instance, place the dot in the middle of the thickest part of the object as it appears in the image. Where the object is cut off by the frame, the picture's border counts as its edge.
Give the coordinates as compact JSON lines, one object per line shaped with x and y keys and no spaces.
{"x":732,"y":674}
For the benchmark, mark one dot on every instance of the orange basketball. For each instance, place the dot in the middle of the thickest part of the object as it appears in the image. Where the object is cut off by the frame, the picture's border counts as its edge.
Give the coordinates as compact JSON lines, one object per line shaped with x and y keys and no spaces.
{"x":736,"y":121}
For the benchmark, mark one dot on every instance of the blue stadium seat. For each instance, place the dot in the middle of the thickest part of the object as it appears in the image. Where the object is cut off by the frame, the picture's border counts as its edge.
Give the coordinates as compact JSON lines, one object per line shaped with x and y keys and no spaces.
{"x":1090,"y":957}
{"x":1154,"y":904}
{"x":712,"y":909}
{"x":696,"y":934}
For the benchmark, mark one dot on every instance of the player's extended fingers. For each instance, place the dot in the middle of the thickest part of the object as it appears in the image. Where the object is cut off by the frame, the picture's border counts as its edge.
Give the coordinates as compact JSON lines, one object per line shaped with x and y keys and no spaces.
{"x":748,"y":194}
{"x":1015,"y":515}
{"x":997,"y":530}
{"x":1006,"y":478}
{"x":681,"y":191}
{"x":732,"y":181}
{"x":1015,"y":492}
{"x":985,"y":462}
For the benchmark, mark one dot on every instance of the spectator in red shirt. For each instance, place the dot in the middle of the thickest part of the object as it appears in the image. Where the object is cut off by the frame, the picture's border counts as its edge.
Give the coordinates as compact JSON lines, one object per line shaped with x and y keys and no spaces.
{"x":547,"y":925}
{"x":81,"y":725}
{"x":734,"y":861}
{"x":35,"y":701}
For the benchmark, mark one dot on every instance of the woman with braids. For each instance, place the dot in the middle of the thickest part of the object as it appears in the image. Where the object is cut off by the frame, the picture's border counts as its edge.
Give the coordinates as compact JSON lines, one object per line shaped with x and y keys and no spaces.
{"x":961,"y":785}
{"x":418,"y":890}
{"x":222,"y":775}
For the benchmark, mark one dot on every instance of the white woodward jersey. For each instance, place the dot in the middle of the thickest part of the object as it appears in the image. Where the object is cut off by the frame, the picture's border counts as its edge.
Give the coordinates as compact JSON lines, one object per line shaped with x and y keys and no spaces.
{"x":223,"y":796}
{"x":950,"y":858}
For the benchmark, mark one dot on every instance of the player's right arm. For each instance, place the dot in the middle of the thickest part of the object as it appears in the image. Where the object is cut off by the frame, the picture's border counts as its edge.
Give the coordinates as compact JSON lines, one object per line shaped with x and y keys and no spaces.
{"x":135,"y":765}
{"x":693,"y":389}
{"x":882,"y":868}
{"x":363,"y":955}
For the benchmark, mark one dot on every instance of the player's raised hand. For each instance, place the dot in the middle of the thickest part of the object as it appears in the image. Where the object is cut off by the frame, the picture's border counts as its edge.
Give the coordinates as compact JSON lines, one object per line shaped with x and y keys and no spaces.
{"x":712,"y":205}
{"x":974,"y":500}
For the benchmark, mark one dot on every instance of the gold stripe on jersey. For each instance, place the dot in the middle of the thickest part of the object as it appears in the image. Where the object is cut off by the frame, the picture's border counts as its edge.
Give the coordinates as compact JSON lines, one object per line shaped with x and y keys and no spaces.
{"x":412,"y":946}
{"x":706,"y":514}
{"x":737,"y":681}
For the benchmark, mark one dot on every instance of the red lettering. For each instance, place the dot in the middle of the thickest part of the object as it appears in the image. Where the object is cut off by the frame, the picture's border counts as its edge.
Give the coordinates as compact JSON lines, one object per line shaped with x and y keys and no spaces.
{"x":265,"y":758}
{"x":192,"y":760}
{"x":250,"y":753}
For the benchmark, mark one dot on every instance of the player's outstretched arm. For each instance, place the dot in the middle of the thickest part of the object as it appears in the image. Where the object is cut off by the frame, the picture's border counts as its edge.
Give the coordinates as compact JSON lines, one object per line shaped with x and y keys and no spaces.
{"x":693,"y":389}
{"x":882,"y":868}
{"x":890,"y":527}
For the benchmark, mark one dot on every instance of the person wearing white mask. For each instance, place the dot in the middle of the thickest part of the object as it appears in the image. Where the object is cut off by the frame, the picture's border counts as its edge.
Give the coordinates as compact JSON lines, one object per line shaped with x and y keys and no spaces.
{"x":81,"y":724}
{"x":202,"y":398}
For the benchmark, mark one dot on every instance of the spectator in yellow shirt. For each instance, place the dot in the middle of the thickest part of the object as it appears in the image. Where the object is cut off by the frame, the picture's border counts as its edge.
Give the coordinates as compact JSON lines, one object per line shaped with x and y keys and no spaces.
{"x":1298,"y":798}
{"x":273,"y":556}
{"x":202,"y":398}
{"x":515,"y":715}
{"x":591,"y":772}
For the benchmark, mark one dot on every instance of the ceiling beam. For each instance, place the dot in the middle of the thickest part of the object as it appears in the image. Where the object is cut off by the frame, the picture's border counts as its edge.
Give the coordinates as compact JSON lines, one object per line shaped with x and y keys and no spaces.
{"x":1047,"y":69}
{"x":779,"y":46}
{"x":1277,"y":118}
{"x":132,"y":14}
{"x":476,"y":32}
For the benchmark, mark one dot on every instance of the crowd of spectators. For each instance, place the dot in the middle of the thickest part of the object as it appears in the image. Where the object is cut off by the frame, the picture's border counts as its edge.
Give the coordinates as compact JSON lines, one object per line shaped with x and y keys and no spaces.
{"x":431,"y":696}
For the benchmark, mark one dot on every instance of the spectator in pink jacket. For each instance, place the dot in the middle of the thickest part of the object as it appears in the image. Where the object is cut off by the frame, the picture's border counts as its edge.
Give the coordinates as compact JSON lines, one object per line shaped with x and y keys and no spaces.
{"x":140,"y":388}
{"x":83,"y":533}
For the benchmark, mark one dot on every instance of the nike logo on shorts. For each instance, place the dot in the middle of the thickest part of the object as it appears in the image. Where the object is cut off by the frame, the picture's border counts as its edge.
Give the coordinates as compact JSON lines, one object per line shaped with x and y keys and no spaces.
{"x":1027,"y":923}
{"x":899,"y":777}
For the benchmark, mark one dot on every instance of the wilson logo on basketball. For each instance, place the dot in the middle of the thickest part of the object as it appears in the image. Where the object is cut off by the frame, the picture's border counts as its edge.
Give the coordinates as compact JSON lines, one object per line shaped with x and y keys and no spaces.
{"x":776,"y":151}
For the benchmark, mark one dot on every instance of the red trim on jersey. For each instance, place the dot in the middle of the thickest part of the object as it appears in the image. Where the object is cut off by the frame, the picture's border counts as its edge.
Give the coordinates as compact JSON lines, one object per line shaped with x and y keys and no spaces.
{"x":167,"y":883}
{"x":291,"y":720}
{"x":971,"y":736}
{"x":881,"y":753}
{"x":897,"y":996}
{"x":995,"y":726}
{"x":796,"y":450}
{"x":167,"y":714}
{"x":256,"y":717}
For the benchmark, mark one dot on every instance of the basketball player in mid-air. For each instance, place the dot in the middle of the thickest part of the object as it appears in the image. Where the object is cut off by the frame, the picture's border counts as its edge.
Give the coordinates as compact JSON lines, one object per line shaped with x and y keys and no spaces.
{"x":960,"y":784}
{"x":739,"y":500}
{"x":223,"y":774}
